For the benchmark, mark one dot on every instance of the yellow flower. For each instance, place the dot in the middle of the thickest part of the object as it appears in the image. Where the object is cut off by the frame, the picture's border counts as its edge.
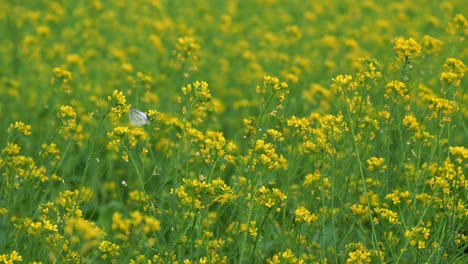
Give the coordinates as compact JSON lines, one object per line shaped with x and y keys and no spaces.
{"x":302,"y":214}
{"x":294,"y":31}
{"x":442,"y":109}
{"x":11,"y":149}
{"x":411,"y":123}
{"x":3,"y":210}
{"x":431,"y":45}
{"x":449,"y":78}
{"x":396,"y":196}
{"x":63,"y":78}
{"x":375,"y":162}
{"x":270,"y":197}
{"x":201,"y":91}
{"x":459,"y":25}
{"x":271,"y":90}
{"x":137,"y":196}
{"x":286,"y":256}
{"x":359,"y":209}
{"x":151,"y":224}
{"x":359,"y":254}
{"x":43,"y":31}
{"x":145,"y":79}
{"x":187,"y":48}
{"x":418,"y":236}
{"x":109,"y":249}
{"x":265,"y":154}
{"x":75,"y":59}
{"x":127,"y":67}
{"x":343,"y":84}
{"x":388,"y":214}
{"x":312,"y":177}
{"x":396,"y":91}
{"x":11,"y":258}
{"x":460,"y":153}
{"x":454,"y":71}
{"x":67,"y":111}
{"x":49,"y":226}
{"x":406,"y":48}
{"x":62,"y":74}
{"x":20,"y":127}
{"x":50,"y":150}
{"x":118,"y":97}
{"x":253,"y":230}
{"x":301,"y":123}
{"x":342,"y":79}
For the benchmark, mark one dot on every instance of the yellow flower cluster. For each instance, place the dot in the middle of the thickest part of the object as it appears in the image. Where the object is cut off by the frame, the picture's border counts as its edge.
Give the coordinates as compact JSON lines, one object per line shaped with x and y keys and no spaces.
{"x":137,"y":227}
{"x":270,"y":197}
{"x":187,"y":49}
{"x":342,"y":84}
{"x":460,"y":153}
{"x":406,"y":49}
{"x":413,"y":125}
{"x":273,"y":92}
{"x":17,"y":169}
{"x":196,"y":102}
{"x":265,"y":156}
{"x":458,"y":27}
{"x":396,"y":91}
{"x":70,"y":128}
{"x":389,"y":215}
{"x":62,"y":228}
{"x":431,"y":45}
{"x":397,"y":196}
{"x":199,"y":194}
{"x":442,"y":109}
{"x":303,"y":215}
{"x":118,"y":100}
{"x":20,"y":127}
{"x":62,"y":78}
{"x":109,"y":249}
{"x":374,"y":163}
{"x":360,"y":255}
{"x":418,"y":236}
{"x":11,"y":257}
{"x":50,"y":151}
{"x":215,"y":148}
{"x":120,"y":136}
{"x":330,"y":129}
{"x":454,"y":71}
{"x":286,"y":256}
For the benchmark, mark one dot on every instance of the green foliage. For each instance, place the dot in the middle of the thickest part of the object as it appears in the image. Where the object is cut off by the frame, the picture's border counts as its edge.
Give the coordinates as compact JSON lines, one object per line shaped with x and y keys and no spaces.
{"x":277,"y":132}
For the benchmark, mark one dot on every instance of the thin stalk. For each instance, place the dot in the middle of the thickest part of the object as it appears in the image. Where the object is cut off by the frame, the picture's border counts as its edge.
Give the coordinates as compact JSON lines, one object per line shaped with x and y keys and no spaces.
{"x":140,"y":178}
{"x":324,"y":251}
{"x":375,"y":241}
{"x":258,"y":234}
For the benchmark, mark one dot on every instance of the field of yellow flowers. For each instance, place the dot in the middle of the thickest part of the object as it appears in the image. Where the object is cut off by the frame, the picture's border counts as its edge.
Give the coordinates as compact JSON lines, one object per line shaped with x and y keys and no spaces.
{"x":266,"y":131}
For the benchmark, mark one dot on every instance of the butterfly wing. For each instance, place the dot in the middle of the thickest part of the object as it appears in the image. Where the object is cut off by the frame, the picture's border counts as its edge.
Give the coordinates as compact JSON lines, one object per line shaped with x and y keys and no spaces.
{"x":137,"y":117}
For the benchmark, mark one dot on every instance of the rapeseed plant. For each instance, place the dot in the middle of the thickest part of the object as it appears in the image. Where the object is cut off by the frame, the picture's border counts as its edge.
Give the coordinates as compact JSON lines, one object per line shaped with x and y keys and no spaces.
{"x":321,"y":132}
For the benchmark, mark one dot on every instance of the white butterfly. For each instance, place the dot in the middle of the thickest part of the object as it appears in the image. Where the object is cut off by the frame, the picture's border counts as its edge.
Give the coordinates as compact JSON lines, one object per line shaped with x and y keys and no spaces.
{"x":137,"y":117}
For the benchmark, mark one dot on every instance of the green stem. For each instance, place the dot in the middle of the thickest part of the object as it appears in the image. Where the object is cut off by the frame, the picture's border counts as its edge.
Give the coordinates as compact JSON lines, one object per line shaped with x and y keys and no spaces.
{"x":258,"y":234}
{"x":375,"y":241}
{"x":333,"y":206}
{"x":213,"y":166}
{"x":244,"y":239}
{"x":140,"y":178}
{"x":324,"y":251}
{"x":249,"y":217}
